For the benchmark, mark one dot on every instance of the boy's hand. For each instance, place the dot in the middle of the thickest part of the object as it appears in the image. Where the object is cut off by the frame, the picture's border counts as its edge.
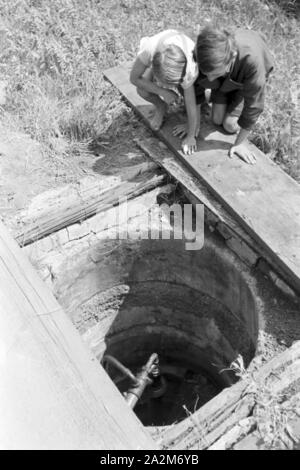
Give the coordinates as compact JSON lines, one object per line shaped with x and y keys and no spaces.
{"x":169,"y":96}
{"x":243,"y":152}
{"x":189,"y":145}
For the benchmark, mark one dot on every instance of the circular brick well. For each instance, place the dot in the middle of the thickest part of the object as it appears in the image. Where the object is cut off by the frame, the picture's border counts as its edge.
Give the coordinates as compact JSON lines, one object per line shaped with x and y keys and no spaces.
{"x":195,"y":309}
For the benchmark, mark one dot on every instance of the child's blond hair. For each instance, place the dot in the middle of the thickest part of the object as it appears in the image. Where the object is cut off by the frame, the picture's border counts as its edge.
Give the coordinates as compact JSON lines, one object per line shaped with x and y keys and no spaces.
{"x":169,"y":65}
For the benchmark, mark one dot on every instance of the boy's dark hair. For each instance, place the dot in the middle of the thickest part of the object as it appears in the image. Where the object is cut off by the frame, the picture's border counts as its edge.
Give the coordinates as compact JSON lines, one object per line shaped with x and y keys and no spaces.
{"x":214,"y":49}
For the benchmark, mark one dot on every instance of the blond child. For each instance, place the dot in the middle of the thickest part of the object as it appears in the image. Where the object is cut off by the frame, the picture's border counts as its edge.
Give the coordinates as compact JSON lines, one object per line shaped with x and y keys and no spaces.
{"x":165,"y":65}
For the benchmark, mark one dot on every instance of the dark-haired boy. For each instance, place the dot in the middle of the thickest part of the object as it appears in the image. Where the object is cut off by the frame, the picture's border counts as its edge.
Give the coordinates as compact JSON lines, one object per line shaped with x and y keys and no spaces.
{"x":236,"y":69}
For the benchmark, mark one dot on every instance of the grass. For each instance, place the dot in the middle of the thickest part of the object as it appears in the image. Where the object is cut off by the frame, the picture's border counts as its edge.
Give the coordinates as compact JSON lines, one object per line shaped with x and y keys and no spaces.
{"x":53,"y":55}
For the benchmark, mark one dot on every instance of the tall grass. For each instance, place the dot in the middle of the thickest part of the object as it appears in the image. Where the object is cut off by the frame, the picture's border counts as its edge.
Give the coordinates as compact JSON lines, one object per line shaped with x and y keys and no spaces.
{"x":53,"y":55}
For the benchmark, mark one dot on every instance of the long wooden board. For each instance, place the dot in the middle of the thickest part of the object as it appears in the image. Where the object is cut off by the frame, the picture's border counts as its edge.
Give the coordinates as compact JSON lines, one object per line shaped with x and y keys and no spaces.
{"x":70,"y":210}
{"x":208,"y":426}
{"x":53,"y":392}
{"x":261,"y":197}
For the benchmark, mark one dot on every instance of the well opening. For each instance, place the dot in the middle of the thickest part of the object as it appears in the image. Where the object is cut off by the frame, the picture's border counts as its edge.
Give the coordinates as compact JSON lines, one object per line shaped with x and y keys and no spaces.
{"x":195,"y":309}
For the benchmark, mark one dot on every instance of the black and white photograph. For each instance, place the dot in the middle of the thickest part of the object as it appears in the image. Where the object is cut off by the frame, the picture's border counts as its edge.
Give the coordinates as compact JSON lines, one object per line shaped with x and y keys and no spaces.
{"x":149,"y":228}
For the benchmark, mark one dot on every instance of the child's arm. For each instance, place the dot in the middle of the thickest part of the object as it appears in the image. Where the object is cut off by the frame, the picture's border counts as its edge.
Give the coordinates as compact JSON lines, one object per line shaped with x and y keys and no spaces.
{"x":137,"y":79}
{"x":190,"y":130}
{"x":254,"y":94}
{"x":189,"y":144}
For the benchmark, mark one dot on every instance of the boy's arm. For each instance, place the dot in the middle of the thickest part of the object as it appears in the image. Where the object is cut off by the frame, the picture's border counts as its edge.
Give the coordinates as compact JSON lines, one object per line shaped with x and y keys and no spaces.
{"x":254,"y":98}
{"x":254,"y":95}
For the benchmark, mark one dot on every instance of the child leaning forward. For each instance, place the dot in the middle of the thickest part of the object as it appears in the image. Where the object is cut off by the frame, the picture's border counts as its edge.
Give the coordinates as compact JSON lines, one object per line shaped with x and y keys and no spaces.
{"x":236,"y":68}
{"x":165,"y":65}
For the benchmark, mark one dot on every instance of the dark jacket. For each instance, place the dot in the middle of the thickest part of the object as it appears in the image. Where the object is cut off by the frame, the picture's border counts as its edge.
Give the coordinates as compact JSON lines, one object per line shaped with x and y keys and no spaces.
{"x":247,"y":78}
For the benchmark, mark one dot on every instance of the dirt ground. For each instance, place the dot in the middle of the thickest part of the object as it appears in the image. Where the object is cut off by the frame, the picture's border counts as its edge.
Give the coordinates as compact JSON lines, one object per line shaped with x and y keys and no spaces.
{"x":26,"y":171}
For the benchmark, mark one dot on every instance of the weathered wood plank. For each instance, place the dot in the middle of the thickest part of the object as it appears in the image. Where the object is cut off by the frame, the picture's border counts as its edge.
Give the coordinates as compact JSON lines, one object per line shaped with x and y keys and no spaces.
{"x":54,"y":394}
{"x":82,"y":205}
{"x":263,"y":199}
{"x":218,"y":418}
{"x":242,"y":429}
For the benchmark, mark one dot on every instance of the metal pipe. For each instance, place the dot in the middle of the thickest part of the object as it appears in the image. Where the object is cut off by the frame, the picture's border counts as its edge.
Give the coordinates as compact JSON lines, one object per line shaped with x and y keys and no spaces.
{"x":149,"y":374}
{"x":125,"y":371}
{"x":143,"y":380}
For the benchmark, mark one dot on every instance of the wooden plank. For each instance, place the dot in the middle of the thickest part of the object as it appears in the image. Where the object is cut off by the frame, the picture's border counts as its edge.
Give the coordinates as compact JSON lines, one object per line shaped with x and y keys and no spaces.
{"x":81,"y":205}
{"x":53,"y":393}
{"x":262,"y":198}
{"x":244,"y":399}
{"x":236,"y":433}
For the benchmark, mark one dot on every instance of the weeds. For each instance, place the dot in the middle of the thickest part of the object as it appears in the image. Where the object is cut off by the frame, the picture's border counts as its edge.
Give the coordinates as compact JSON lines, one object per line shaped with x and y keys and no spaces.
{"x":237,"y":367}
{"x":271,"y":417}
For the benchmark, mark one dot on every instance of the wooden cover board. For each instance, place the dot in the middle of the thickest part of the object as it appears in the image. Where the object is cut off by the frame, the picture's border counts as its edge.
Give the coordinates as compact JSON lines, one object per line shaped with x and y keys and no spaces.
{"x":53,"y":393}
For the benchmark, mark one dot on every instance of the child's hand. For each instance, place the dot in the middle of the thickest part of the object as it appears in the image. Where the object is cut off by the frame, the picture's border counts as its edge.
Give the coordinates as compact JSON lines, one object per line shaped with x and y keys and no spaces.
{"x":243,"y":152}
{"x":189,"y":145}
{"x":169,"y":96}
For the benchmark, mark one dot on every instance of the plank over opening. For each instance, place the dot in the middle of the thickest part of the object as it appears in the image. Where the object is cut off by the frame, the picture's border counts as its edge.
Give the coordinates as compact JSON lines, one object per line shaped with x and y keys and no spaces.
{"x":261,"y":197}
{"x":71,"y":208}
{"x":53,"y":392}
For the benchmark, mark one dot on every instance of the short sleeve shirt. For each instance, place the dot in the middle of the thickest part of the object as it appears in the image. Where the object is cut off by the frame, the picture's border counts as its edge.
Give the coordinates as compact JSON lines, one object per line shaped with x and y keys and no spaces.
{"x":150,"y":45}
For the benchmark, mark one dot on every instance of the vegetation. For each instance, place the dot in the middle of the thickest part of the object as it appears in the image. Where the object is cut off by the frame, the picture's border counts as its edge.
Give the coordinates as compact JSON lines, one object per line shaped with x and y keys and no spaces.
{"x":53,"y":55}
